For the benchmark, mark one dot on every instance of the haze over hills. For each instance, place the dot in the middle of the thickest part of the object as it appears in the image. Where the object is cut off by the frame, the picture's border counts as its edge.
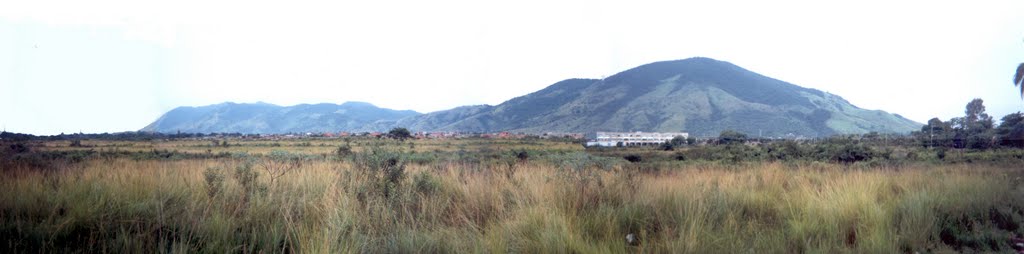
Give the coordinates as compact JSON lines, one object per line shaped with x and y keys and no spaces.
{"x":702,"y":96}
{"x":268,"y":118}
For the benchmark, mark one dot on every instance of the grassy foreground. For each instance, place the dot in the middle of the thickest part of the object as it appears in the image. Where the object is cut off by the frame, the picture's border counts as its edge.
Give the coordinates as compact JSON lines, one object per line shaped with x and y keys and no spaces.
{"x":377,"y":203}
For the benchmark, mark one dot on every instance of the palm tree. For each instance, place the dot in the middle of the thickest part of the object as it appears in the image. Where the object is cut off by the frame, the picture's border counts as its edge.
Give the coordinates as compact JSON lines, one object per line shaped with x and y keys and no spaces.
{"x":1018,"y":79}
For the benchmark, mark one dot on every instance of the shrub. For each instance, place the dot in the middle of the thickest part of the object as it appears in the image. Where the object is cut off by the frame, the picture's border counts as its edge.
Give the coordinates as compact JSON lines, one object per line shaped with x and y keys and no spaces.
{"x":247,"y":179}
{"x":279,"y":163}
{"x":850,"y":153}
{"x":399,"y":133}
{"x":214,"y":180}
{"x":522,"y":155}
{"x":678,"y":141}
{"x":731,"y":137}
{"x":680,"y":157}
{"x":633,"y":158}
{"x":425,"y":183}
{"x":19,"y":148}
{"x":343,"y":151}
{"x":786,"y":150}
{"x":384,"y":170}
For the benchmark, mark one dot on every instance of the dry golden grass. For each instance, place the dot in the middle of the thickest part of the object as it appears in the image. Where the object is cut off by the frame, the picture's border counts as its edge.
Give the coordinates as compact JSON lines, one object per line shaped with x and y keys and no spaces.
{"x":327,"y":206}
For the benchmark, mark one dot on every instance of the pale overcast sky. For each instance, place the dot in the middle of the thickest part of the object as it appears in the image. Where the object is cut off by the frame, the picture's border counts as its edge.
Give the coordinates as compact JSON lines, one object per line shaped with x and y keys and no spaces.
{"x":109,"y":66}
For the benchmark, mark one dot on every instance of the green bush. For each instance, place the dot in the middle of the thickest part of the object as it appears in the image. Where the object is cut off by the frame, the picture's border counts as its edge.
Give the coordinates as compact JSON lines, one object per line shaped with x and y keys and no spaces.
{"x":384,"y":169}
{"x":426,"y":183}
{"x":214,"y":180}
{"x":247,"y":178}
{"x":633,"y":158}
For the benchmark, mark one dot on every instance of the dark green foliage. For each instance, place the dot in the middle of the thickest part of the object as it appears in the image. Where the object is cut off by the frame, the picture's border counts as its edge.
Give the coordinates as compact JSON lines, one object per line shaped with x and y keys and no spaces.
{"x":17,"y":137}
{"x":18,"y":148}
{"x":678,"y":141}
{"x":728,"y":137}
{"x":936,"y":134}
{"x":21,"y":154}
{"x":975,"y":118}
{"x":400,"y":134}
{"x":522,"y":155}
{"x":964,"y":230}
{"x":680,"y":157}
{"x":785,"y":150}
{"x":343,"y":151}
{"x":850,"y":153}
{"x":1011,"y":131}
{"x":974,"y":130}
{"x":633,"y":158}
{"x":726,"y":153}
{"x":976,"y":126}
{"x":982,"y":140}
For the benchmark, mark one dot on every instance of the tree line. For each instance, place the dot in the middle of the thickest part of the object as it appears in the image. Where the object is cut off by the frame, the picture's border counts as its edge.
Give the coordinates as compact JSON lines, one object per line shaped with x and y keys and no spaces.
{"x":975,"y":130}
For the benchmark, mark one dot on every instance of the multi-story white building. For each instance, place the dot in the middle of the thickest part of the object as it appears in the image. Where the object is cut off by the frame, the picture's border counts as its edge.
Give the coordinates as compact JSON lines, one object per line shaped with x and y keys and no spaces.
{"x":631,"y":138}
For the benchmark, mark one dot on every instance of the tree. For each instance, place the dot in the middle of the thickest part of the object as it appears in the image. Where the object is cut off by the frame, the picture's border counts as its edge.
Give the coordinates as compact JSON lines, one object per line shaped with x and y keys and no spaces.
{"x":731,"y":137}
{"x":678,"y":141}
{"x":975,"y":119}
{"x":1011,"y":131}
{"x":937,"y":133}
{"x":976,"y":126}
{"x":399,"y":133}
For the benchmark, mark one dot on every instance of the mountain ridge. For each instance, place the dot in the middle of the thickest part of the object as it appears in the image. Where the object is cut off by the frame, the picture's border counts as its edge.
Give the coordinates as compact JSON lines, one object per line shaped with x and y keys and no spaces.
{"x":699,"y":95}
{"x":261,"y":117}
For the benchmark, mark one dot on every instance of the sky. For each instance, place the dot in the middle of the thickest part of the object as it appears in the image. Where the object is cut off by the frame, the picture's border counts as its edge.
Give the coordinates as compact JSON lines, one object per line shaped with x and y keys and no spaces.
{"x":113,"y":65}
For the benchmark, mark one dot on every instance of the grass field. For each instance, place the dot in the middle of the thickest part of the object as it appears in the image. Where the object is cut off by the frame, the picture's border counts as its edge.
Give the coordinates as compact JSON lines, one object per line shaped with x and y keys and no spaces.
{"x":489,"y":196}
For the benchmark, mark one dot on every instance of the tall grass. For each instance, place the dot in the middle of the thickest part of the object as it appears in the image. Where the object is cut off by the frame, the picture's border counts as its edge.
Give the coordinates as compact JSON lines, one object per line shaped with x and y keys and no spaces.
{"x":584,"y":205}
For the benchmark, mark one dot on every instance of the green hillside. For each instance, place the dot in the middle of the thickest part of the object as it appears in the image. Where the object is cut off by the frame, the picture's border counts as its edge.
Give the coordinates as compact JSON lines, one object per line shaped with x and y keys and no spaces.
{"x":702,"y":96}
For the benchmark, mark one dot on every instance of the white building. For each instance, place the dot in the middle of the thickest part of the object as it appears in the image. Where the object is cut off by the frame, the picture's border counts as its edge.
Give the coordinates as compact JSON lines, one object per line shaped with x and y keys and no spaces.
{"x":631,"y":138}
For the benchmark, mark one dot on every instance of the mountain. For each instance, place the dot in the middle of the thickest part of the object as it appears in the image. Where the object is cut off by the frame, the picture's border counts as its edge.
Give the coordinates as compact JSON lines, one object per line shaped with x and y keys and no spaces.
{"x":268,"y":118}
{"x":701,"y":96}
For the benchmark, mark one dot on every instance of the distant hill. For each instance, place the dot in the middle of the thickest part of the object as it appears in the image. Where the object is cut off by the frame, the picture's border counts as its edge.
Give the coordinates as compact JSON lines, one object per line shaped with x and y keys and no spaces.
{"x":268,"y":118}
{"x":702,"y":96}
